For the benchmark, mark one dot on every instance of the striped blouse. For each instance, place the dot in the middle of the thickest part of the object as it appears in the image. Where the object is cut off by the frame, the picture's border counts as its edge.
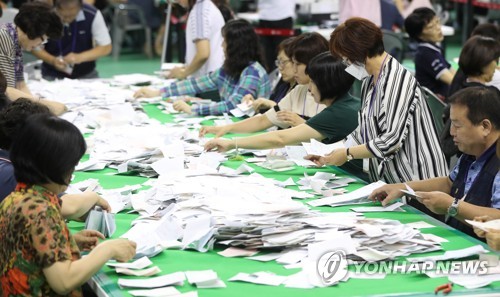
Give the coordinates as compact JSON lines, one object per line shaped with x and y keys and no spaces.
{"x":395,"y":123}
{"x":11,"y":55}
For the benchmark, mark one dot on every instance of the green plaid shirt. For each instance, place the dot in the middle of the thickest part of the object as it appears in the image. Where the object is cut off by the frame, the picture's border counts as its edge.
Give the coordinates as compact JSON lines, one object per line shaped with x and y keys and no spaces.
{"x":253,"y":80}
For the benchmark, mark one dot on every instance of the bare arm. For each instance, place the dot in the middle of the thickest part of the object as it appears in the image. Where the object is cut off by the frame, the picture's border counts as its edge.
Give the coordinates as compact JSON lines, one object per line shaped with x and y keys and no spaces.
{"x":65,"y":276}
{"x":253,"y":124}
{"x":56,"y":108}
{"x":280,"y":138}
{"x":75,"y":206}
{"x":447,"y":76}
{"x":201,"y":56}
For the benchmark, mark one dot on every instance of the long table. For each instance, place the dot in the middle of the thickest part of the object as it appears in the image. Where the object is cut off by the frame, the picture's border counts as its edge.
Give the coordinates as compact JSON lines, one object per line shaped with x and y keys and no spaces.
{"x":105,"y":282}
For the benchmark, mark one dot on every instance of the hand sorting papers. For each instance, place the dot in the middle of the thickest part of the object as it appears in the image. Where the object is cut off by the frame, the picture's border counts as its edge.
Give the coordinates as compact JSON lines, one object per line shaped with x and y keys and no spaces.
{"x":102,"y":221}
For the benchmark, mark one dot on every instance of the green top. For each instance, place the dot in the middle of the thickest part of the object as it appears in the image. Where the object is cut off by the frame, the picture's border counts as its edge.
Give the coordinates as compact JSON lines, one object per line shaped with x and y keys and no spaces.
{"x":337,"y":120}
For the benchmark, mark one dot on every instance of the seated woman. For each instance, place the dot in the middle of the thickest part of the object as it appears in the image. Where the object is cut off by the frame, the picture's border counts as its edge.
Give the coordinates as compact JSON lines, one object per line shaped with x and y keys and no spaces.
{"x":329,"y":84}
{"x":431,"y":68}
{"x":39,"y":256}
{"x":74,"y":206}
{"x":285,"y":84}
{"x":297,"y":106}
{"x":241,"y":74}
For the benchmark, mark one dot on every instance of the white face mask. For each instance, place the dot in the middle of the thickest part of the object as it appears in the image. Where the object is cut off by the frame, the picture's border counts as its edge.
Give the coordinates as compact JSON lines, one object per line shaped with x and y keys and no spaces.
{"x":358,"y":71}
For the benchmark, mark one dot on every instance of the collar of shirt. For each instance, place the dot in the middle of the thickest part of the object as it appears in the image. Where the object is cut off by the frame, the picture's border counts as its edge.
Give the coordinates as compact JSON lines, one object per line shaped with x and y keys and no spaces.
{"x":48,"y":195}
{"x":487,"y":154}
{"x":4,"y":154}
{"x":432,"y":46}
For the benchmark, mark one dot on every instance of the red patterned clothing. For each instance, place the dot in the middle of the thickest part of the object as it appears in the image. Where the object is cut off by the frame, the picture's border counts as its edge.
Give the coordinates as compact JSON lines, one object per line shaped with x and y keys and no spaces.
{"x":34,"y":236}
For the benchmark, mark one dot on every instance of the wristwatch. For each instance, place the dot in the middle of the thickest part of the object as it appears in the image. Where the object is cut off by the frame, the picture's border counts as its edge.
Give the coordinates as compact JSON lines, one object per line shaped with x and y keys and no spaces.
{"x":349,"y":156}
{"x":453,"y":209}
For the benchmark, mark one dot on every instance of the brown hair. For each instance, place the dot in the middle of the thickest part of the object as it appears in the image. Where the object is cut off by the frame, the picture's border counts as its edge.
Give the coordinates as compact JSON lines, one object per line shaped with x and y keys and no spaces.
{"x":477,"y":53}
{"x":357,"y":39}
{"x":285,"y":45}
{"x":307,"y":46}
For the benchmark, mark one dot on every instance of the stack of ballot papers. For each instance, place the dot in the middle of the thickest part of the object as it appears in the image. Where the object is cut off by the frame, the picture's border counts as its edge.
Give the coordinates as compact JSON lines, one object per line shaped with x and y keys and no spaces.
{"x":102,"y":221}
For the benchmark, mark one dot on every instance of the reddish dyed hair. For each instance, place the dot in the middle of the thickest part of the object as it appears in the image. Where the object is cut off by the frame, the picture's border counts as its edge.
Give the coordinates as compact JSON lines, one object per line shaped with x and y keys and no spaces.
{"x":357,"y":39}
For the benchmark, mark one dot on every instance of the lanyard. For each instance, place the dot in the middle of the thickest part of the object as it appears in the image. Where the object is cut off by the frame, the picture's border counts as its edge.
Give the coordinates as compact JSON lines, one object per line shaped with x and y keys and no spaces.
{"x":304,"y":106}
{"x":73,"y":42}
{"x":374,"y":93}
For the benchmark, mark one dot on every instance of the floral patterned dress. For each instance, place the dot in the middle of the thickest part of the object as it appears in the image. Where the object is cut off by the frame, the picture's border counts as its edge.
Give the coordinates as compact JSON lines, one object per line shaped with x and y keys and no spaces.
{"x":33,"y":236}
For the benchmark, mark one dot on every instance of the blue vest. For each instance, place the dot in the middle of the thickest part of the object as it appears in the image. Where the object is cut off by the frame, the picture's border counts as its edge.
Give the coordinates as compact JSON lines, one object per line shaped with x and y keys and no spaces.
{"x":480,"y":193}
{"x":70,"y":42}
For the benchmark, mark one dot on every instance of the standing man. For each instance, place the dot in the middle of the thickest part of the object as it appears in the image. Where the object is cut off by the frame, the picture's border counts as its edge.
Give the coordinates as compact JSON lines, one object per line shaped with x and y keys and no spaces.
{"x":85,"y":39}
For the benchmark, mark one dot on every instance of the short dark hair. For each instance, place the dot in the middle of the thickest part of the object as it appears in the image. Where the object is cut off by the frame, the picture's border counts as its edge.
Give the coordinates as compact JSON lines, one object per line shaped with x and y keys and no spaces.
{"x":481,"y":102}
{"x":14,"y":116}
{"x":329,"y":75}
{"x":285,"y":46}
{"x":487,"y":30}
{"x":357,"y":39}
{"x":477,"y":53}
{"x":417,"y":20}
{"x":37,"y":19}
{"x":46,"y":150}
{"x":307,"y":46}
{"x":242,"y":47}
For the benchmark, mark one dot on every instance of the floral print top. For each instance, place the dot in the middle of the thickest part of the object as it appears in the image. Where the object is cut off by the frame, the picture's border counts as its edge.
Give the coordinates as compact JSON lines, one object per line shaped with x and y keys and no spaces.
{"x":34,"y":236}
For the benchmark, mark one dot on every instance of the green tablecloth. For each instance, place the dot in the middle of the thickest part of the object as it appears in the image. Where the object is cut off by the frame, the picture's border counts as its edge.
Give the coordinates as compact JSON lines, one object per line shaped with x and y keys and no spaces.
{"x":175,"y":260}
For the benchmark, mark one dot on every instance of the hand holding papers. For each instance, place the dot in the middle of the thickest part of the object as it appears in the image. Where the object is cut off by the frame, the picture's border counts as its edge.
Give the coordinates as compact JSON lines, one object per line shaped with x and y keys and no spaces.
{"x":101,"y":221}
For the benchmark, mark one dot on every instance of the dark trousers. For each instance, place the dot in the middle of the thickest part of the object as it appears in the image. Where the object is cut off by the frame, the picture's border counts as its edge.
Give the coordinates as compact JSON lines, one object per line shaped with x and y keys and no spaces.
{"x":270,"y":43}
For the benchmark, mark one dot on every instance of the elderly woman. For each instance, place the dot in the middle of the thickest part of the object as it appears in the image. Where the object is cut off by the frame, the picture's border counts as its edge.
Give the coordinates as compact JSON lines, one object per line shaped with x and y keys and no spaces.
{"x":39,"y":256}
{"x":395,"y":135}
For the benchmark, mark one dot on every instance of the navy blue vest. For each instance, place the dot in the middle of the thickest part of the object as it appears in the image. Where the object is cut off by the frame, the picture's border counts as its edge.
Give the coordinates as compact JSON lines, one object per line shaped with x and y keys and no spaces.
{"x":480,"y":193}
{"x":83,"y":41}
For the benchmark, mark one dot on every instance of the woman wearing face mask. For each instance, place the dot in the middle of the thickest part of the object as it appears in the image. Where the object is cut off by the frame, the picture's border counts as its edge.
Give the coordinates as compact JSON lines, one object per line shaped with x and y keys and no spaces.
{"x":396,"y":134}
{"x":298,"y":105}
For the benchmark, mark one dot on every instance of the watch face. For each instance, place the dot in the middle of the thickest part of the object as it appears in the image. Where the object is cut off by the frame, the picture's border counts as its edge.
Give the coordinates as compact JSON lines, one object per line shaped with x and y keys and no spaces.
{"x":453,"y":211}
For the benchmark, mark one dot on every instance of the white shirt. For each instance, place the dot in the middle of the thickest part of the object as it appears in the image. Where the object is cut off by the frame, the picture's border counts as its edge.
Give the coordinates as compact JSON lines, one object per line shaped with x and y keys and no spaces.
{"x":495,"y":82}
{"x":100,"y":32}
{"x":205,"y":21}
{"x":273,"y":10}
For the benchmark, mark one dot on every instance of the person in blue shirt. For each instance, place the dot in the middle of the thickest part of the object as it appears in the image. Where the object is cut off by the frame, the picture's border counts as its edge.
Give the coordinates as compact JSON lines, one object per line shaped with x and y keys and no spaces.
{"x":431,"y":68}
{"x":473,"y":187}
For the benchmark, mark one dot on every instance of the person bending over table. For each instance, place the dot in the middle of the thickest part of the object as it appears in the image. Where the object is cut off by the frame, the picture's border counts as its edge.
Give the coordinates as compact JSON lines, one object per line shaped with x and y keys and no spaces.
{"x":329,"y":84}
{"x":242,"y":73}
{"x":473,"y":187}
{"x":286,"y":83}
{"x":33,"y":25}
{"x":39,"y":256}
{"x":85,"y":39}
{"x":74,"y":206}
{"x":396,"y":133}
{"x":297,"y":106}
{"x":331,"y":125}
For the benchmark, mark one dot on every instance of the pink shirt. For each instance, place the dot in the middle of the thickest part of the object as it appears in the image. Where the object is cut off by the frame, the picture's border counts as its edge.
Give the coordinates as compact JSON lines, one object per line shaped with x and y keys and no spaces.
{"x":368,"y":9}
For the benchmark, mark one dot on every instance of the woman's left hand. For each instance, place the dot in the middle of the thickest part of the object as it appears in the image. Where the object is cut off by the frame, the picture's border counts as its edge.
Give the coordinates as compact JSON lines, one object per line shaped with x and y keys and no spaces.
{"x":291,"y":118}
{"x":182,"y":106}
{"x":87,"y":239}
{"x":177,"y":72}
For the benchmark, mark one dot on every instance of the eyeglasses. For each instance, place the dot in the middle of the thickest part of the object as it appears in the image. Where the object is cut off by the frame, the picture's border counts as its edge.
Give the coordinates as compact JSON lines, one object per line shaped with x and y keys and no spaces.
{"x":280,"y":63}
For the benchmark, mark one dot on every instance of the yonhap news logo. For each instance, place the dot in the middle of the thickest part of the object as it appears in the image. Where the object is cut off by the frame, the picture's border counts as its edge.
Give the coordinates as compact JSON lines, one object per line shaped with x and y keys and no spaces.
{"x":332,"y":267}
